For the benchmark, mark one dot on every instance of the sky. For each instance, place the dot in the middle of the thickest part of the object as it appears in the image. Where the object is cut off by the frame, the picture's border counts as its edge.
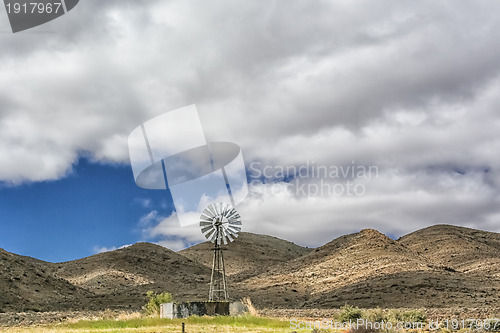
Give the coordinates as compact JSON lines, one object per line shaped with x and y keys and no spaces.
{"x":349,"y":115}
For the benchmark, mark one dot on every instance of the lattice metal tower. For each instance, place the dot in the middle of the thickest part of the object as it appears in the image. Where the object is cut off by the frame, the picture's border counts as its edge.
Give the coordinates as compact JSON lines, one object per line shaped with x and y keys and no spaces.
{"x":220,"y":223}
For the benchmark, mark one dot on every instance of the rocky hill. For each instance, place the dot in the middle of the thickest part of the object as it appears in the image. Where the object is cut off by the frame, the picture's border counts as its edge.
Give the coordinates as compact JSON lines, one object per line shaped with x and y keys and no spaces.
{"x":251,"y":253}
{"x":461,"y":249}
{"x":28,"y":284}
{"x":434,"y":267}
{"x":369,"y":269}
{"x":120,"y":278}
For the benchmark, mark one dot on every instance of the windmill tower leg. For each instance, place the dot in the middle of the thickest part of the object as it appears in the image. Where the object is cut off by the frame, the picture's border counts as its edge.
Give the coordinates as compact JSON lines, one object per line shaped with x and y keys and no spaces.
{"x":218,"y":285}
{"x":225,"y":293}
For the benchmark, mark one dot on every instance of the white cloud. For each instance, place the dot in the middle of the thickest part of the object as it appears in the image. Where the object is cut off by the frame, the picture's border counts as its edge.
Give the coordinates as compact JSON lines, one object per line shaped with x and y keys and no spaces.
{"x":412,"y":89}
{"x":149,"y":219}
{"x":144,"y":202}
{"x":169,"y":232}
{"x":395,"y":203}
{"x":98,"y":249}
{"x":258,"y":76}
{"x":312,"y":211}
{"x":174,"y":244}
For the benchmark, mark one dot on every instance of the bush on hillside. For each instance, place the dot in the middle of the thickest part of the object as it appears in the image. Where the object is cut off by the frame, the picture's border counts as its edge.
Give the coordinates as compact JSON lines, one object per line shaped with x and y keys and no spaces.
{"x":152,"y":307}
{"x":349,"y":313}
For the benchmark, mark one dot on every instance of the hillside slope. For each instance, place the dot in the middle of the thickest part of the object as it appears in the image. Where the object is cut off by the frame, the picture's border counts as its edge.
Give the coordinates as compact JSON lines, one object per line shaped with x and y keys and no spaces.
{"x":28,"y":284}
{"x":368,"y":269}
{"x":433,"y":267}
{"x":250,"y":252}
{"x":462,"y":249}
{"x":123,"y":276}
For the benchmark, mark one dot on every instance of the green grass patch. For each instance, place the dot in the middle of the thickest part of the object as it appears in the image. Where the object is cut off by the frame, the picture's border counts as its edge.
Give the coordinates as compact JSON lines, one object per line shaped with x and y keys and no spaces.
{"x":240,"y":321}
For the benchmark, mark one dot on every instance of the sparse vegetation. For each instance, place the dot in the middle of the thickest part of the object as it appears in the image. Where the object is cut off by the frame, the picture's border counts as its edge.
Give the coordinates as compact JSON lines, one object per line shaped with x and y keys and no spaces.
{"x":240,"y":324}
{"x":152,"y":307}
{"x":194,"y":320}
{"x":414,"y":316}
{"x":349,"y":313}
{"x":251,"y":308}
{"x":409,"y":316}
{"x":394,"y":315}
{"x":375,"y":315}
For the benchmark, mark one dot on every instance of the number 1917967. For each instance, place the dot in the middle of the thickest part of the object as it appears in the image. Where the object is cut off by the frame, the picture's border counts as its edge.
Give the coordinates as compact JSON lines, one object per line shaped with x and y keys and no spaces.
{"x":34,"y":8}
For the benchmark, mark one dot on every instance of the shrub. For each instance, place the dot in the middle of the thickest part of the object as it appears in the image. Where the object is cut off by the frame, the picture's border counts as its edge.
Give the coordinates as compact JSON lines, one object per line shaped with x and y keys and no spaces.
{"x":395,"y":316}
{"x":251,"y":308}
{"x":152,"y":307}
{"x":410,"y":316}
{"x":375,"y":315}
{"x":348,"y":313}
{"x":414,"y":316}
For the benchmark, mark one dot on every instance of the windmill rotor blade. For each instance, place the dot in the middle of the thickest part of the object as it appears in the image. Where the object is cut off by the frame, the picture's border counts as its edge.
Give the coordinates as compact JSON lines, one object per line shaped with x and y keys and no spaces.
{"x":208,"y":213}
{"x":213,"y":237}
{"x":203,"y":223}
{"x":215,"y":207}
{"x":206,"y":221}
{"x":209,"y":234}
{"x":236,"y":217}
{"x":232,"y":232}
{"x":220,"y":223}
{"x":204,"y":230}
{"x":235,"y":229}
{"x":234,"y":220}
{"x":226,"y":228}
{"x":211,"y":209}
{"x":231,"y":213}
{"x":206,"y":217}
{"x":229,"y":209}
{"x":222,"y":208}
